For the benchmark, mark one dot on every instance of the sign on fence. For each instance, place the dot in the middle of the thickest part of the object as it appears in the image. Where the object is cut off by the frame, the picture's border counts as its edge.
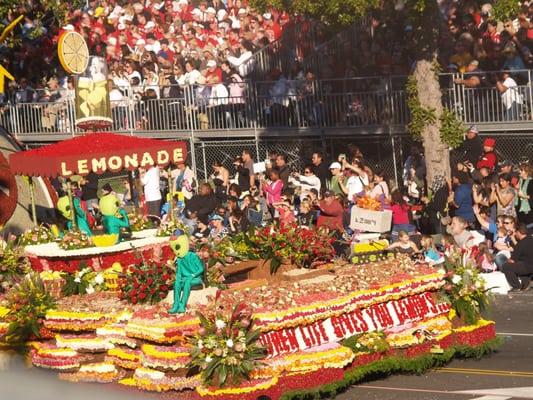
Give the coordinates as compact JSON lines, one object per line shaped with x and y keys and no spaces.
{"x":370,"y":221}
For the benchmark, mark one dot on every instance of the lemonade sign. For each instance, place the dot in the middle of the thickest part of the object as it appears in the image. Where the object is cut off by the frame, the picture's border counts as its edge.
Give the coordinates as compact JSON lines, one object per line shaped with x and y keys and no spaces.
{"x":93,"y":110}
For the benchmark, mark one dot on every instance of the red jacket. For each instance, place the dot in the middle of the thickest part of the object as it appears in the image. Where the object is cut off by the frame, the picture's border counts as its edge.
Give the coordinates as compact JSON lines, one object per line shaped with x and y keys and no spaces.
{"x":331,"y":215}
{"x":488,"y":160}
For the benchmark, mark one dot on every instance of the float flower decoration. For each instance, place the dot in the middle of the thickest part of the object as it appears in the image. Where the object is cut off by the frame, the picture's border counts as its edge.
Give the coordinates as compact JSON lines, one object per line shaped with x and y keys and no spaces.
{"x":214,"y":259}
{"x":290,"y":243}
{"x":74,"y":240}
{"x":371,"y":342}
{"x":464,"y":288}
{"x":146,"y":282}
{"x":83,"y":281}
{"x":27,"y":301}
{"x":140,"y":222}
{"x":368,"y":203}
{"x":37,"y":235}
{"x":167,"y":228}
{"x":13,"y":264}
{"x":225,"y":348}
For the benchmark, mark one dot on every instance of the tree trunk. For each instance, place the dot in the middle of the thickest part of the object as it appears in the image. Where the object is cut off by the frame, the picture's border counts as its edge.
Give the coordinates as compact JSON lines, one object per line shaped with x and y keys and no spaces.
{"x":437,"y":153}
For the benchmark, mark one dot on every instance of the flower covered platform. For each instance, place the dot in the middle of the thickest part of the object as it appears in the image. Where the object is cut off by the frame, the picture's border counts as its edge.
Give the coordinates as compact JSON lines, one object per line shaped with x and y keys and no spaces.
{"x":291,"y":339}
{"x":146,"y":243}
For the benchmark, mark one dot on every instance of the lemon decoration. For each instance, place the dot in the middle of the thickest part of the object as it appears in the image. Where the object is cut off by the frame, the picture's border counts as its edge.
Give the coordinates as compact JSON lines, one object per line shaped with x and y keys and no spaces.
{"x":105,"y":240}
{"x":73,"y":52}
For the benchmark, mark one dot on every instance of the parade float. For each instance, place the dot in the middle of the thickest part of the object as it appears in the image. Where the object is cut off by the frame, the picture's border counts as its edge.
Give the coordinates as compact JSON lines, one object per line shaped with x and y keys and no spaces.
{"x":92,"y":153}
{"x":271,"y":312}
{"x":322,"y":327}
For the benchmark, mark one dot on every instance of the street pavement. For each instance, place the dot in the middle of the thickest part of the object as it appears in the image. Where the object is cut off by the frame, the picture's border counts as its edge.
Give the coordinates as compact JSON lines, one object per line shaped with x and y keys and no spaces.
{"x":507,"y":374}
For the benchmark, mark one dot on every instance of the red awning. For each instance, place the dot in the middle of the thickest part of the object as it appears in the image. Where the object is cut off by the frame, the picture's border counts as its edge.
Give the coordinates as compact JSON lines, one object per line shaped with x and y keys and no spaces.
{"x":96,"y":152}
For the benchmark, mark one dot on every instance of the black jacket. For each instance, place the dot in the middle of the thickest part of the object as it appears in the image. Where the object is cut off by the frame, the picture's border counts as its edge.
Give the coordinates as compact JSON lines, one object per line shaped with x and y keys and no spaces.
{"x":322,"y":171}
{"x":472,"y":149}
{"x":523,"y":251}
{"x":203,"y":205}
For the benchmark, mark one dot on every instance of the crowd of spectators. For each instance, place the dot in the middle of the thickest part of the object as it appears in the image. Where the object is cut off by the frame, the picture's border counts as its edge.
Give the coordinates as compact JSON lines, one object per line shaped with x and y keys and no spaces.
{"x":154,"y":37}
{"x":486,"y":209}
{"x":201,"y":53}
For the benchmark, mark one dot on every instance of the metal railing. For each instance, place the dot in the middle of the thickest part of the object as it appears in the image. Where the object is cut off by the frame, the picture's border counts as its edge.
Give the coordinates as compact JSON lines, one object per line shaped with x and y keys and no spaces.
{"x":334,"y":103}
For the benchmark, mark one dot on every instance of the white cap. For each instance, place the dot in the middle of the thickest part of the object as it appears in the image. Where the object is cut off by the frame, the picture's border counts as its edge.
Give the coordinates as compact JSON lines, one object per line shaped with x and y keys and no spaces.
{"x":183,"y":2}
{"x":149,"y":47}
{"x":150,"y":25}
{"x":140,"y":41}
{"x":196,"y":11}
{"x":267,"y":15}
{"x":221,"y":14}
{"x":121,"y":27}
{"x":241,"y":11}
{"x":211,"y":63}
{"x":211,"y":10}
{"x":236,"y":24}
{"x":68,"y":27}
{"x":335,"y":165}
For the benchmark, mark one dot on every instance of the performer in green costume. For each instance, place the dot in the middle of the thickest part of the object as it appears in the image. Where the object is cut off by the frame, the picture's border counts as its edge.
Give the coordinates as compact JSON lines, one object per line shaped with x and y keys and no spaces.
{"x":63,"y":205}
{"x":189,"y":271}
{"x":110,"y":208}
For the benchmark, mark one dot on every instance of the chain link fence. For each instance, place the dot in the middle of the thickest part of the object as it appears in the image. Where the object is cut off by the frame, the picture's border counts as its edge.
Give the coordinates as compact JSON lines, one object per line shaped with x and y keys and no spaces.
{"x":387,"y":153}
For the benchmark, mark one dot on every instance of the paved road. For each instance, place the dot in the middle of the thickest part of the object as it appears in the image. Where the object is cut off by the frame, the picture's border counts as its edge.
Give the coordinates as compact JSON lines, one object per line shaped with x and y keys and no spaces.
{"x":507,"y":374}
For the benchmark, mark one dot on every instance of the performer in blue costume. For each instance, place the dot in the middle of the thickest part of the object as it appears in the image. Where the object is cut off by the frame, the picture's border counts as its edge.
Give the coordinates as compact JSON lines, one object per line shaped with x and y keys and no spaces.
{"x":114,"y":216}
{"x":63,"y":205}
{"x":189,"y":271}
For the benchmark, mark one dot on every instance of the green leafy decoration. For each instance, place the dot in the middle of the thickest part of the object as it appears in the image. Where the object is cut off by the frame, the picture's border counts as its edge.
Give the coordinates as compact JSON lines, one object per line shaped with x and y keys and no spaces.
{"x":420,"y":116}
{"x":226,"y":349}
{"x":390,"y":365}
{"x":452,"y":130}
{"x":27,"y":301}
{"x":504,"y":10}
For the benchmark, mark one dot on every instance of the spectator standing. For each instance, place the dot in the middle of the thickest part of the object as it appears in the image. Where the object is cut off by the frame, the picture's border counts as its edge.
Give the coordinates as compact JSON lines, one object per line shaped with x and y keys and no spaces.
{"x":472,"y":146}
{"x":152,"y":190}
{"x":320,"y":169}
{"x":511,"y":97}
{"x":89,"y":187}
{"x":519,"y":268}
{"x":249,"y":165}
{"x":504,"y":196}
{"x":337,"y":179}
{"x":306,"y":182}
{"x":524,"y":198}
{"x":488,"y":158}
{"x":436,"y":204}
{"x":380,"y":191}
{"x":283,"y":169}
{"x":242,"y":176}
{"x":400,"y":215}
{"x":184,"y":180}
{"x":272,"y":190}
{"x":461,"y":201}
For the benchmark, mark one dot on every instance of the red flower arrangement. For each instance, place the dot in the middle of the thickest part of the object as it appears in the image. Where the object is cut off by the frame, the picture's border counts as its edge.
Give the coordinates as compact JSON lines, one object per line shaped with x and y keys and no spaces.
{"x":290,"y":243}
{"x":146,"y":282}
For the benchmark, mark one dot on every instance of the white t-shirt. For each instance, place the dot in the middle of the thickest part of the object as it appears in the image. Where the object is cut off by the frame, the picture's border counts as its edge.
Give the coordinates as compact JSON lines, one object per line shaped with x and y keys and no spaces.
{"x":150,"y":181}
{"x":511,"y":95}
{"x":355,"y":185}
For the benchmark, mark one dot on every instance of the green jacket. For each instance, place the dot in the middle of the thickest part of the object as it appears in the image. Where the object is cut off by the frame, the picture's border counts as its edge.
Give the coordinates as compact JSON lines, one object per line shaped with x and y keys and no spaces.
{"x":189,"y":267}
{"x":113,"y":224}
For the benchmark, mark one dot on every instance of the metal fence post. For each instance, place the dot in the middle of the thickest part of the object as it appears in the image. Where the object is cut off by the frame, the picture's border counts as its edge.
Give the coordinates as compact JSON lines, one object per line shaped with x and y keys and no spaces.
{"x":193,"y":156}
{"x":395,"y":162}
{"x":530,"y":88}
{"x":205,"y":161}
